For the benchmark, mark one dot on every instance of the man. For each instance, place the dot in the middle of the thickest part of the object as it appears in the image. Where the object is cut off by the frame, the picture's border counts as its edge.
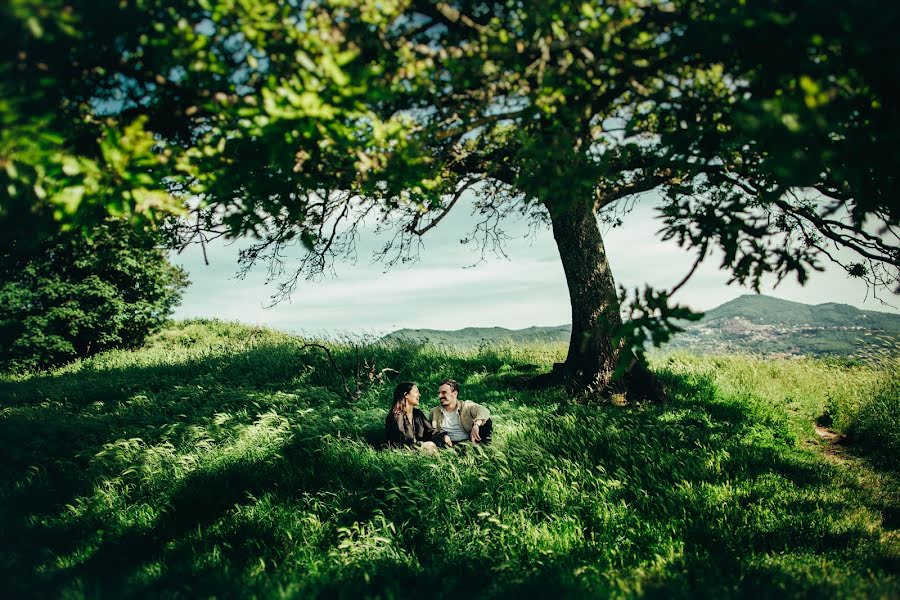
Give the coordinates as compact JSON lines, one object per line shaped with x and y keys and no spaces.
{"x":461,"y":420}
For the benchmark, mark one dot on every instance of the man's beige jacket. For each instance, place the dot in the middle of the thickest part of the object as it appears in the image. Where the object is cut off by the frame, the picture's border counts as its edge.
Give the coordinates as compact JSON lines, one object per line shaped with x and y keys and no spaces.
{"x":468,"y":413}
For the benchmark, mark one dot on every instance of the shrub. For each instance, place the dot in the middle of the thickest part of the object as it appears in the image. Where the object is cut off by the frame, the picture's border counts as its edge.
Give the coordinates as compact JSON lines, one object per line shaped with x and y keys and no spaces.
{"x":80,"y":293}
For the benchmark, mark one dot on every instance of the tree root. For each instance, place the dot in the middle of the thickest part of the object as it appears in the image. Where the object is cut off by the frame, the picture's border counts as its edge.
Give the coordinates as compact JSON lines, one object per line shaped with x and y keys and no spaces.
{"x":639,"y":384}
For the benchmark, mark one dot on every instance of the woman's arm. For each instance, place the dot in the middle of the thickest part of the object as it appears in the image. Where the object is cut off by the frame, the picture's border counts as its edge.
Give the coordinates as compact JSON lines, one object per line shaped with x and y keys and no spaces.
{"x":393,"y":432}
{"x":430,"y":434}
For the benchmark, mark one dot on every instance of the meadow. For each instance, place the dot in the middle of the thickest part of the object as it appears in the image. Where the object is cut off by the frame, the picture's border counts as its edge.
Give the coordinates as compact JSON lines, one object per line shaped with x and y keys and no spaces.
{"x":226,"y":461}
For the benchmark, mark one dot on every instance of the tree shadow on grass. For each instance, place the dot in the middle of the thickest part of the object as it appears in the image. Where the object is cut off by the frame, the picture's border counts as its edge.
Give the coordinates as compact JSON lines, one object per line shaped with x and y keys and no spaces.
{"x":69,"y":417}
{"x":198,"y":501}
{"x":55,"y":425}
{"x":669,"y":460}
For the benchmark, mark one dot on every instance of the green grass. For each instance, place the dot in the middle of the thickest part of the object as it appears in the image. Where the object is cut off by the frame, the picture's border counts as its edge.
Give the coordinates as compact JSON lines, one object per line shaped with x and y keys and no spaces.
{"x":224,"y":461}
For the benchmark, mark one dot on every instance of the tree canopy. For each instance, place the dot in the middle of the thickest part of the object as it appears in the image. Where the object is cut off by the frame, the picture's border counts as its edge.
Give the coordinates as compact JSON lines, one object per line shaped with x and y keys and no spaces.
{"x":767,"y":129}
{"x":73,"y":296}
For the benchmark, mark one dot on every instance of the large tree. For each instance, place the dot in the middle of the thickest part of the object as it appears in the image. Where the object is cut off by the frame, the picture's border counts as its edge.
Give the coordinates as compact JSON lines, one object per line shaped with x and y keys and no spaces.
{"x":294,"y":122}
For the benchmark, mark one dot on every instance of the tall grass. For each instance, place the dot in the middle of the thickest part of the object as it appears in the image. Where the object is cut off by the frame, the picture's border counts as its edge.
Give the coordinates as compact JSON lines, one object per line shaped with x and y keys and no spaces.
{"x":225,"y":461}
{"x":872,"y":422}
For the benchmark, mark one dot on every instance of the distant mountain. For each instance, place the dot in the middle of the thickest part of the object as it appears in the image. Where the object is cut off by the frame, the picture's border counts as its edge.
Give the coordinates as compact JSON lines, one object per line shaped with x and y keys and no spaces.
{"x":766,"y":325}
{"x":472,"y":337}
{"x":774,"y":311}
{"x":750,"y":323}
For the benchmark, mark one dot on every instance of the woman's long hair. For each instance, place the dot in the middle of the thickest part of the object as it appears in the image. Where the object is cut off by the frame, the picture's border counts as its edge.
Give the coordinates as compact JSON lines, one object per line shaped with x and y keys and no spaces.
{"x":400,"y":404}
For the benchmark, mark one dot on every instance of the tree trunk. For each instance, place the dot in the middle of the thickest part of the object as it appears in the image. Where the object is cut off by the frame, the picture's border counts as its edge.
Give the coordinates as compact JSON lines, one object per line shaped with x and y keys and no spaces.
{"x":593,"y":353}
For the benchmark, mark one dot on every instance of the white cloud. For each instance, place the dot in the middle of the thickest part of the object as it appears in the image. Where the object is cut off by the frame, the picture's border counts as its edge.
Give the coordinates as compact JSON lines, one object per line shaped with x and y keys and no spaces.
{"x":439,"y":292}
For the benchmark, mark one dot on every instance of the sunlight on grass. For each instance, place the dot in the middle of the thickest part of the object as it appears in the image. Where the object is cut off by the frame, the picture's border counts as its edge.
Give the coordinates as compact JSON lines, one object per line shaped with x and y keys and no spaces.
{"x":229,"y":460}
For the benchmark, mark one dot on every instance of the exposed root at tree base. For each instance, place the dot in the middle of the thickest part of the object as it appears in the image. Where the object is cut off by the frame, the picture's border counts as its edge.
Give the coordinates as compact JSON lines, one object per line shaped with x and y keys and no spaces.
{"x":536,"y":382}
{"x":638,"y":385}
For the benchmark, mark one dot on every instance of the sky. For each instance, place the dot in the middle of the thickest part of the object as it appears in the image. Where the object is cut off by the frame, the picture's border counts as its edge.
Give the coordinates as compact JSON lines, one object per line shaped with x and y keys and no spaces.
{"x":443,"y":290}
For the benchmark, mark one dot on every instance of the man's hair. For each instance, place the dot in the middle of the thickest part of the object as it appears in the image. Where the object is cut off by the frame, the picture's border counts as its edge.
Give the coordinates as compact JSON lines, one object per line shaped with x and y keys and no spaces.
{"x":452,"y":383}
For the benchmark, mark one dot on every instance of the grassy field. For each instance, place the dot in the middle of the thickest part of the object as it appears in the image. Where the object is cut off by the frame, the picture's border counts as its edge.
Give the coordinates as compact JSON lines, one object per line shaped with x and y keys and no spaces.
{"x":225,"y":461}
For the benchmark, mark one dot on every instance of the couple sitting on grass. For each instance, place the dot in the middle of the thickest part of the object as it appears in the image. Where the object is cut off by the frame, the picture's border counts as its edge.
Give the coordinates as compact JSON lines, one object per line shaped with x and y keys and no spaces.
{"x":452,"y":422}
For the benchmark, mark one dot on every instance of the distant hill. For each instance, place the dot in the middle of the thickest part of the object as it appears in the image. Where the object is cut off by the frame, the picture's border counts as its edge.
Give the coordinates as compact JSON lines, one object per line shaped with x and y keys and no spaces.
{"x":774,"y":311}
{"x":750,"y":323}
{"x":472,"y":337}
{"x":766,"y":325}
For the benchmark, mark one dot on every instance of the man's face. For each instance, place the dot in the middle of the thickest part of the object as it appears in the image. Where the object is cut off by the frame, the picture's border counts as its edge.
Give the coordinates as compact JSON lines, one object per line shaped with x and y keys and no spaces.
{"x":447,"y":396}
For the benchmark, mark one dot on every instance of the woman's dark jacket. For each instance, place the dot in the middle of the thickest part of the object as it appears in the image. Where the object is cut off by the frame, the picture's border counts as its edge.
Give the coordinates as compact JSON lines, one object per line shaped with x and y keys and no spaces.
{"x":400,"y":431}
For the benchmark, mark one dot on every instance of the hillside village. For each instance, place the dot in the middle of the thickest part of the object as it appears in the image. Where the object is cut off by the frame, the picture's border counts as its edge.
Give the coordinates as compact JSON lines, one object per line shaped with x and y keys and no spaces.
{"x":738,"y":333}
{"x":754,"y":324}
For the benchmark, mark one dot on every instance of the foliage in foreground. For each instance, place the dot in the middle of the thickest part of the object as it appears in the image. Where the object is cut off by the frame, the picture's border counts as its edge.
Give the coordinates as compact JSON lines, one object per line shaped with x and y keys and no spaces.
{"x":225,"y":461}
{"x":70,"y":296}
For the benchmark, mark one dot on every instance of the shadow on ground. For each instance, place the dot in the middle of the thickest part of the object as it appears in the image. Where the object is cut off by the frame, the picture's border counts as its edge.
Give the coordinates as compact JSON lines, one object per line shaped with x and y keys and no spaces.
{"x":693,"y":495}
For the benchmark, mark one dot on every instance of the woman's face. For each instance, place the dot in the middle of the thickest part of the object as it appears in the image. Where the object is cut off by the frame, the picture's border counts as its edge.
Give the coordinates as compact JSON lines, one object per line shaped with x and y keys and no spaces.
{"x":412,"y":396}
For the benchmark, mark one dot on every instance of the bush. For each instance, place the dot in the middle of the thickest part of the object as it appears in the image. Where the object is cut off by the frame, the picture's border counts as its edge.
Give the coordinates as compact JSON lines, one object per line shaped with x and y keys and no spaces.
{"x":80,"y":293}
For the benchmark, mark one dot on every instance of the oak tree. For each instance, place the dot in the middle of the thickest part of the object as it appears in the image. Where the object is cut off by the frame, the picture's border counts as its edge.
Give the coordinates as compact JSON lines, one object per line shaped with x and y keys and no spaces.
{"x":764,"y":129}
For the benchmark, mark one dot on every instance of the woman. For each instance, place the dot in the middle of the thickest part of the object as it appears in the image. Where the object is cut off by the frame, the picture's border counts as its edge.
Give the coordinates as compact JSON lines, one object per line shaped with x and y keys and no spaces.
{"x":406,"y":425}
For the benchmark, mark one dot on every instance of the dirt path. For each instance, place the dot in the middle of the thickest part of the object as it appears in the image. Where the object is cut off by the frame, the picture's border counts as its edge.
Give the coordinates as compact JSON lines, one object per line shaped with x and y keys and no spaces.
{"x":831,"y":445}
{"x":880,"y":488}
{"x":828,"y":435}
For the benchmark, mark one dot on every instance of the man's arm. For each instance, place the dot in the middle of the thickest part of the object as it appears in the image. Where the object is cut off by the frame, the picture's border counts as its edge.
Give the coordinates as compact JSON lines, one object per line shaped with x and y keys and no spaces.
{"x":434,"y":417}
{"x":479,"y":415}
{"x":435,"y":435}
{"x":478,"y":412}
{"x":439,"y":435}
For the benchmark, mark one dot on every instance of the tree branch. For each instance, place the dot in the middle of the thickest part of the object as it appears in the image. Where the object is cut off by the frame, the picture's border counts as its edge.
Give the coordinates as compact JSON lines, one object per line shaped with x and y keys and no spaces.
{"x":645,"y":184}
{"x":700,"y":256}
{"x":439,"y":218}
